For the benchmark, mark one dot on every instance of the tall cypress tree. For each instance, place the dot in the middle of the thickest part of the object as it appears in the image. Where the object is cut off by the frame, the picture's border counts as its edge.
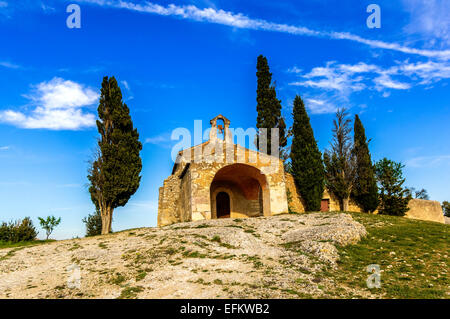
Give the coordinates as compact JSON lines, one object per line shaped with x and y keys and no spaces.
{"x":268,"y":106}
{"x":114,"y":175}
{"x":306,"y":159}
{"x":365,"y":190}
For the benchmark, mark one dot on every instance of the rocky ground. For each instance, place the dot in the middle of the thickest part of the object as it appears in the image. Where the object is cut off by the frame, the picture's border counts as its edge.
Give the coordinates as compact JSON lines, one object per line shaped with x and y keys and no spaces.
{"x":266,"y":257}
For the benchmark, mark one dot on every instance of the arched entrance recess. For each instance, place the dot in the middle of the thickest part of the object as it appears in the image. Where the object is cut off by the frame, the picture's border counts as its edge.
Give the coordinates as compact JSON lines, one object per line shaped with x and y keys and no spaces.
{"x":246,"y":189}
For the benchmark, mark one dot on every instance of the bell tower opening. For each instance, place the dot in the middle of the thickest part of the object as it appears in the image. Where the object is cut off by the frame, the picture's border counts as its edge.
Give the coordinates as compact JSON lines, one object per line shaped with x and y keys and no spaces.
{"x":223,"y":205}
{"x":220,"y":129}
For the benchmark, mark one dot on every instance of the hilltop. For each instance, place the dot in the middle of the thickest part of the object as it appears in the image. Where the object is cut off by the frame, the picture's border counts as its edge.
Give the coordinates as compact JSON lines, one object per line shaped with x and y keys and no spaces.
{"x":311,"y":255}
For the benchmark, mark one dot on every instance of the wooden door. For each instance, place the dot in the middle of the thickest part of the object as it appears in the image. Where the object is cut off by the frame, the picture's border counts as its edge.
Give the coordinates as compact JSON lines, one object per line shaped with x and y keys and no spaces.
{"x":325,"y":205}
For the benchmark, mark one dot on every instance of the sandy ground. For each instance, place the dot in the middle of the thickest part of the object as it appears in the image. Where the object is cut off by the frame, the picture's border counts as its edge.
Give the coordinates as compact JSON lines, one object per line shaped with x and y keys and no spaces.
{"x":264,"y":257}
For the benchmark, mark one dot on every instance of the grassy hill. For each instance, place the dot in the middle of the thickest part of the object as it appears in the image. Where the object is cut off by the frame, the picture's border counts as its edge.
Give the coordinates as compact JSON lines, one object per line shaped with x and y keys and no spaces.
{"x":413,"y":256}
{"x":314,"y":255}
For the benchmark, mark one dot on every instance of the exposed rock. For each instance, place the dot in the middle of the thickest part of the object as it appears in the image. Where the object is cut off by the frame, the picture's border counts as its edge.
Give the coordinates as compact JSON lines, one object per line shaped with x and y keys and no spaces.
{"x":265,"y":257}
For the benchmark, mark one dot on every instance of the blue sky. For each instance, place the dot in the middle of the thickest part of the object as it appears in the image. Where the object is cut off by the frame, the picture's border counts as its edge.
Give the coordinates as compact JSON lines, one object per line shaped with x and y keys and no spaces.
{"x":178,"y":61}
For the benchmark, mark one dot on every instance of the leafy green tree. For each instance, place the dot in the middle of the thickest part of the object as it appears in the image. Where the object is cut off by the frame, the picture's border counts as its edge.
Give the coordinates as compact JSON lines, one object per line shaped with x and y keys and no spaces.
{"x":446,"y":208}
{"x":394,"y":198}
{"x":268,"y":107}
{"x":49,"y":224}
{"x":115,"y":174}
{"x":93,"y":224}
{"x":339,"y":161}
{"x":365,"y":190}
{"x":306,"y":159}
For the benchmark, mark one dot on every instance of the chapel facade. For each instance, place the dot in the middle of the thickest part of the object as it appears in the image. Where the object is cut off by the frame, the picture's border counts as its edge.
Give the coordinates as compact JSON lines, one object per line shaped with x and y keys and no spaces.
{"x":221,"y":179}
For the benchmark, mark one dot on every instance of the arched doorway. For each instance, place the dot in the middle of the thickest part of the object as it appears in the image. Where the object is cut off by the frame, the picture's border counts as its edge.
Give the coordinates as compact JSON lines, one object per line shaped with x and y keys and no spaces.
{"x":239,"y":190}
{"x":223,"y":205}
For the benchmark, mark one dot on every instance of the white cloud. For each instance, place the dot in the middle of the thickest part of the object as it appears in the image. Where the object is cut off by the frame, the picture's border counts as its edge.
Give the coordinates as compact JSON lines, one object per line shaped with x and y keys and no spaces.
{"x":47,"y":9}
{"x":295,"y":69}
{"x":428,"y":161}
{"x":4,"y":148}
{"x":159,"y":139}
{"x":385,"y":81}
{"x":239,"y":20}
{"x":430,"y":20}
{"x":428,"y":71}
{"x":338,"y":77}
{"x":316,"y":106}
{"x":126,"y":85}
{"x":347,"y":78}
{"x":58,"y":106}
{"x":9,"y":65}
{"x":336,"y":82}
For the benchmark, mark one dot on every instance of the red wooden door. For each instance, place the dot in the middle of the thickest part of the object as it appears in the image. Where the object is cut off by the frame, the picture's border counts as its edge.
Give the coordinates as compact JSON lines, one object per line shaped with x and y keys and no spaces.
{"x":325,"y":205}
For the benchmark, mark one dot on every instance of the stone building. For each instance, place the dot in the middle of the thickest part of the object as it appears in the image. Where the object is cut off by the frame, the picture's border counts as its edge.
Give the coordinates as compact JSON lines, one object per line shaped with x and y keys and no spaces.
{"x":221,"y":179}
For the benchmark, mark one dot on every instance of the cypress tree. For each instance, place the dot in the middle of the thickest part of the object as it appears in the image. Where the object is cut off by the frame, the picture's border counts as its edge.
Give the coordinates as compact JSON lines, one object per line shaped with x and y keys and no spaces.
{"x":268,"y":106}
{"x":114,"y":175}
{"x":306,"y":159}
{"x":365,"y":190}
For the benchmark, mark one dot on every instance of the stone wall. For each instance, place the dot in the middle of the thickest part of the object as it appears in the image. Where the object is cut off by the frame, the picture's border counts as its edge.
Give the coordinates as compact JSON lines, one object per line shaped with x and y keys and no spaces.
{"x":425,"y":210}
{"x":295,"y":201}
{"x":189,"y":197}
{"x":185,"y":197}
{"x":296,"y":204}
{"x":335,"y":206}
{"x":169,"y":208}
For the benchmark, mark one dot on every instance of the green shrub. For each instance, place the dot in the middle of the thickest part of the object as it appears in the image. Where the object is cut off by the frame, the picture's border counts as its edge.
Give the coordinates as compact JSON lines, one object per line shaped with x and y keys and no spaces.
{"x":93,"y":224}
{"x":446,"y":208}
{"x":5,"y":231}
{"x":18,"y":231}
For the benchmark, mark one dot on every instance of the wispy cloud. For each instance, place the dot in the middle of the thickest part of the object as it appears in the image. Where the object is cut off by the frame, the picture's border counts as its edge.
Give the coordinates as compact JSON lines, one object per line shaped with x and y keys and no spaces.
{"x":126,"y":85}
{"x":4,"y":148}
{"x":241,"y":21}
{"x":320,"y":106}
{"x":428,"y":161}
{"x":429,"y":20}
{"x":57,"y":105}
{"x":161,"y":139}
{"x":339,"y":81}
{"x":347,"y":78}
{"x":9,"y":65}
{"x":47,"y":8}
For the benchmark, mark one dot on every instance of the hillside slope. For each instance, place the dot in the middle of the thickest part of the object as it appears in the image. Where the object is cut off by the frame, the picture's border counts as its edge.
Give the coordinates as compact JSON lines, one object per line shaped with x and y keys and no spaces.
{"x":288,"y":256}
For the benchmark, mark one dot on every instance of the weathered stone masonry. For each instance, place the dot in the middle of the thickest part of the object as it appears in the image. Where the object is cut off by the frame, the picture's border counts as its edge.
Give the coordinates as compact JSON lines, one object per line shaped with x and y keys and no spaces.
{"x":219,"y":179}
{"x":253,"y":181}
